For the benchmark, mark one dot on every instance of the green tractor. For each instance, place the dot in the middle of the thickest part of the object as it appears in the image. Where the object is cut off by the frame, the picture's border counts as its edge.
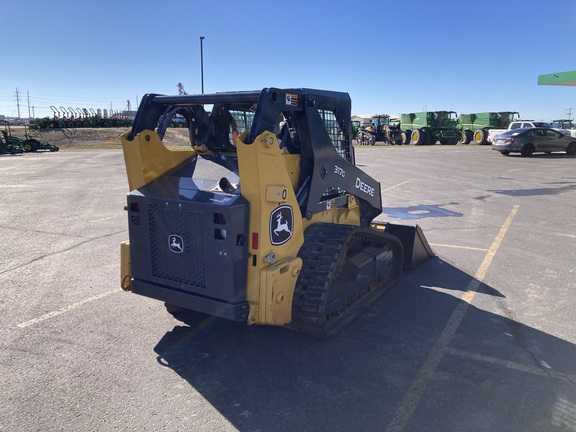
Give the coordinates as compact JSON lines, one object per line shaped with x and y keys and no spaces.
{"x":13,"y":144}
{"x":40,"y":123}
{"x":382,"y":129}
{"x":562,"y":124}
{"x":475,"y":127}
{"x":355,"y":128}
{"x":8,"y":143}
{"x":7,"y":147}
{"x":31,"y":144}
{"x":428,"y":127}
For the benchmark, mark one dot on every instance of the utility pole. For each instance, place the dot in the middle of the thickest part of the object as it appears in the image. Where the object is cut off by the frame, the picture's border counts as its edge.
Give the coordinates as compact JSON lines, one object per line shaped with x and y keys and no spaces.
{"x":18,"y":101}
{"x":569,"y":112}
{"x":202,"y":63}
{"x":28,"y":97}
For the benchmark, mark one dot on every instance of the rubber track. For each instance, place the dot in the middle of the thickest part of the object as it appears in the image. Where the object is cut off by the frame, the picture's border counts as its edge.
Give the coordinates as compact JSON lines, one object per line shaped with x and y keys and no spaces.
{"x":323,"y":255}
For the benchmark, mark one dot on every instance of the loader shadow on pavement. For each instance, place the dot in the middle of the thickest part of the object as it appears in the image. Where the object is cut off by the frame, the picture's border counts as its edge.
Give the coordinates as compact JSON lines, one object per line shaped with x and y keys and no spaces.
{"x":494,"y":373}
{"x":534,"y":192}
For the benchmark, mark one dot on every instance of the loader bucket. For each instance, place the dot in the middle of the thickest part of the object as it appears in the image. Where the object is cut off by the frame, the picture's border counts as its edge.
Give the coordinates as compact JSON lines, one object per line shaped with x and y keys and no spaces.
{"x":416,"y":247}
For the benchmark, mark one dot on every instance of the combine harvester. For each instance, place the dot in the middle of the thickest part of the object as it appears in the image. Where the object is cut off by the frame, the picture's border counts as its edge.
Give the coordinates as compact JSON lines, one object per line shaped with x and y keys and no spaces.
{"x":478,"y":127}
{"x":429,"y":127}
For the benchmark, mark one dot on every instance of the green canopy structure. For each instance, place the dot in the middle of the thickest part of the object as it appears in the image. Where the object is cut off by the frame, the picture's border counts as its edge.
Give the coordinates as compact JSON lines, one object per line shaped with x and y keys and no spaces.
{"x":558,"y":79}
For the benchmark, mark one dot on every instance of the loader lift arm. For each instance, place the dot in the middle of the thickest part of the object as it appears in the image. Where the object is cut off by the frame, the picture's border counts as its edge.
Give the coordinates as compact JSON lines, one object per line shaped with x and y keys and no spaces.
{"x":325,"y":167}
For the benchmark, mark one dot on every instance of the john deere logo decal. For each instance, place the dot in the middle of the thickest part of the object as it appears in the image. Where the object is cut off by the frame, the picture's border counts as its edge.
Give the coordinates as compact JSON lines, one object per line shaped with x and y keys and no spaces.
{"x":281,"y":225}
{"x":175,"y":243}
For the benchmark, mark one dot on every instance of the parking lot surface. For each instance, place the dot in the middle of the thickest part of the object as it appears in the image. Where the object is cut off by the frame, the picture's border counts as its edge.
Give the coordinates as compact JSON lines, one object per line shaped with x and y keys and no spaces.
{"x":479,"y":338}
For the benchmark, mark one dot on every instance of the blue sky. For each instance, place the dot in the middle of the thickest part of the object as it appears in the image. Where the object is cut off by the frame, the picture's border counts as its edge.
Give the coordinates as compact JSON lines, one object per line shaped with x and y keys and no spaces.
{"x":391,"y":57}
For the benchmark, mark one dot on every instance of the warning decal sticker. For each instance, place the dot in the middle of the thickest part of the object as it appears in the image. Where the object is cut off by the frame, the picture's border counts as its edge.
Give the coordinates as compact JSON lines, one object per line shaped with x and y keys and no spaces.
{"x":291,"y":99}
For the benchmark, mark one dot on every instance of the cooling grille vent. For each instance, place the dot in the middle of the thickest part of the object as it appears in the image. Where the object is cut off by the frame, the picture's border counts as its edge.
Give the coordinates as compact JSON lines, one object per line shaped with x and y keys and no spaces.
{"x":186,"y":266}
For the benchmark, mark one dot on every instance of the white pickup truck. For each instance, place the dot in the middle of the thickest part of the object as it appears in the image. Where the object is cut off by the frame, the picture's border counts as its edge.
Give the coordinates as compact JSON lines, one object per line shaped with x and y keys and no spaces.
{"x":524,"y":124}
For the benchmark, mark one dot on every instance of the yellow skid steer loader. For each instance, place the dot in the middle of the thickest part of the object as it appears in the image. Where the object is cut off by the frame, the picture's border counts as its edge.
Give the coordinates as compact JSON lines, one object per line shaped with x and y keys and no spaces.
{"x":265,"y":218}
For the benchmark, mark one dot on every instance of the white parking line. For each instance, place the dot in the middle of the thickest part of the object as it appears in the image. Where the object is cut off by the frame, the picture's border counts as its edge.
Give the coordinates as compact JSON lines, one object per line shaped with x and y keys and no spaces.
{"x":414,"y":394}
{"x":66,"y":309}
{"x":100,"y":220}
{"x":460,"y":247}
{"x":541,"y":371}
{"x":395,"y":186}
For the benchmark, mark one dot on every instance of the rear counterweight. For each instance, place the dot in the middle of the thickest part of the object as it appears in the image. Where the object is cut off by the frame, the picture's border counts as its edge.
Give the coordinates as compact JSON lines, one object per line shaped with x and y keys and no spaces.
{"x":190,"y":249}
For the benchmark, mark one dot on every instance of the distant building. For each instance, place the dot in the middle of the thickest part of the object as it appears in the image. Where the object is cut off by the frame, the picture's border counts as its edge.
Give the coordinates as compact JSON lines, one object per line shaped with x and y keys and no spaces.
{"x":15,"y":120}
{"x":129,"y":114}
{"x":365,"y":120}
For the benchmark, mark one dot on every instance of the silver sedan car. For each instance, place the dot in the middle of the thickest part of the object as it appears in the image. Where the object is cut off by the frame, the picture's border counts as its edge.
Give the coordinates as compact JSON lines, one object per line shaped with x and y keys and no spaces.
{"x":535,"y":139}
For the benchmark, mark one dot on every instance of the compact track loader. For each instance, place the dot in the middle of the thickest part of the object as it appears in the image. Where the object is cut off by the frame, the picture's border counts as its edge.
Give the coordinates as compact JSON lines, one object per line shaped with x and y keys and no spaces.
{"x":265,"y":219}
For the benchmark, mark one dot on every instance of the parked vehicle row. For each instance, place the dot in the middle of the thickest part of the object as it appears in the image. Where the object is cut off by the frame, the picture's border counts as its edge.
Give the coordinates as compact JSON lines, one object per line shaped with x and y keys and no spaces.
{"x":527,"y":124}
{"x":446,"y":127}
{"x":419,"y":128}
{"x":430,"y":127}
{"x":529,"y":140}
{"x":81,"y":118}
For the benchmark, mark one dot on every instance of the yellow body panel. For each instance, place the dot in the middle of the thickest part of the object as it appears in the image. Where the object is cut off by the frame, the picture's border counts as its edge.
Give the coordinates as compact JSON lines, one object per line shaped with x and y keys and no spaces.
{"x":277,"y":287}
{"x":147,"y":158}
{"x":338,"y":215}
{"x":125,"y":273}
{"x":269,"y":179}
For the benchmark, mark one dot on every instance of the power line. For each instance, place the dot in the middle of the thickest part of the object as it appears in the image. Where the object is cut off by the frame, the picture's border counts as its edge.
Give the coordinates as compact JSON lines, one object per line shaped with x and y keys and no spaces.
{"x":43,"y":104}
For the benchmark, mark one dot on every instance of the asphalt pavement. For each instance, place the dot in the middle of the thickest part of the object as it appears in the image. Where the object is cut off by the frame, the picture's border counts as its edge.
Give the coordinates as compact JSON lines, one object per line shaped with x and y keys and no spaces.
{"x":479,"y":338}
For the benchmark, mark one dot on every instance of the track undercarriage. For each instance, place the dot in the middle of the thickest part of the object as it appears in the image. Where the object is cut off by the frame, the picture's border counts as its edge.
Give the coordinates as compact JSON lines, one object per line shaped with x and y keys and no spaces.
{"x":346,"y":268}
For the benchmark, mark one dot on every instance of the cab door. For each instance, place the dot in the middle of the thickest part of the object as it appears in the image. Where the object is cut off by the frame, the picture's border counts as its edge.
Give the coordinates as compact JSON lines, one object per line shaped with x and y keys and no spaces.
{"x":554,"y":140}
{"x":540,"y":140}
